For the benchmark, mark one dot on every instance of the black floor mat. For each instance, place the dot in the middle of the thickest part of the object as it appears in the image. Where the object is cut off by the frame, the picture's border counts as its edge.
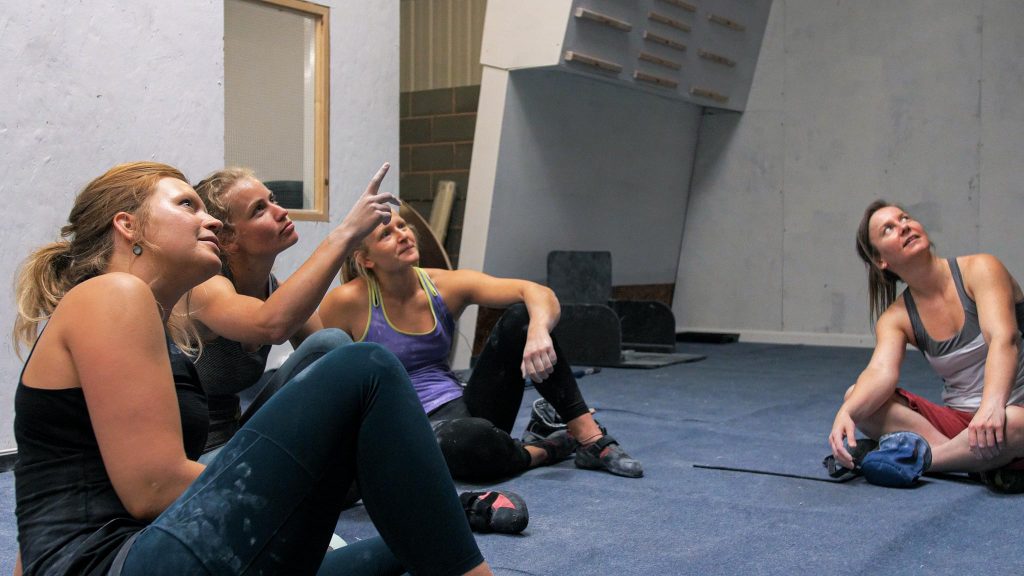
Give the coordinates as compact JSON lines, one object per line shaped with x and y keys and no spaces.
{"x":634,"y":359}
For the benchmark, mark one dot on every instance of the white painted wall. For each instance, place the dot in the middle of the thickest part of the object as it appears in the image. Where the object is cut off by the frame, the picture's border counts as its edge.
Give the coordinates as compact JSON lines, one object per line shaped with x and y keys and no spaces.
{"x":915,"y":101}
{"x":589,"y":165}
{"x":566,"y":162}
{"x":88,"y":85}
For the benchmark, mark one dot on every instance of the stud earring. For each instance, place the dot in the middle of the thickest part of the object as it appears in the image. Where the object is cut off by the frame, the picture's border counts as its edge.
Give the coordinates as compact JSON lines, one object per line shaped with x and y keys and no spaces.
{"x":137,"y":250}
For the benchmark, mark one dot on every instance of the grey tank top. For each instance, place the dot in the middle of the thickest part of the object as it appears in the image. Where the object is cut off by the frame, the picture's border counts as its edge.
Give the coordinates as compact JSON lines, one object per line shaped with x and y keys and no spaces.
{"x":960,"y":360}
{"x":225,"y":369}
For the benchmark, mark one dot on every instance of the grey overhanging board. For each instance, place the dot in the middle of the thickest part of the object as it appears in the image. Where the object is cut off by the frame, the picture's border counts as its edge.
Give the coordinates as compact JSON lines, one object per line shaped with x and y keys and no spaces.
{"x":700,"y":51}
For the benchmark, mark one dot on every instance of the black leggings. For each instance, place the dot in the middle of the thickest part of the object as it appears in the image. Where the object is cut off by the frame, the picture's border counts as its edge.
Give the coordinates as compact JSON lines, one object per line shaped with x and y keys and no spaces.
{"x":474,"y":430}
{"x":269,"y":501}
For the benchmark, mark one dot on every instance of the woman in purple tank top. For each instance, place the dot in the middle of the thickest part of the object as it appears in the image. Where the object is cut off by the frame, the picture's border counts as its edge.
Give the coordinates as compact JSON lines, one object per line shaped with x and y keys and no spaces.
{"x":964,"y":314}
{"x":412,"y":312}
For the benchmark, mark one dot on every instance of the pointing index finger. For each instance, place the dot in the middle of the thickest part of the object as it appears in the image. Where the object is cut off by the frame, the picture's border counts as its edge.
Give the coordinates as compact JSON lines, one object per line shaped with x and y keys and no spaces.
{"x":377,"y":179}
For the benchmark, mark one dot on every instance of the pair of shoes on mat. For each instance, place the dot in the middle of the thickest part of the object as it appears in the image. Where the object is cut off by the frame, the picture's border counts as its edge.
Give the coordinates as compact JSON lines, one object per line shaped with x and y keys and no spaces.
{"x":897,"y":462}
{"x":558,"y":445}
{"x":1004,"y":481}
{"x":495,"y":511}
{"x":605,"y":454}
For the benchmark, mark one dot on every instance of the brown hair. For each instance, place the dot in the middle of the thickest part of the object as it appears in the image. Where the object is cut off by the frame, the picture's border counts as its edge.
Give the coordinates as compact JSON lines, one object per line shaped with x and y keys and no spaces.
{"x":86,"y":246}
{"x":881,"y":283}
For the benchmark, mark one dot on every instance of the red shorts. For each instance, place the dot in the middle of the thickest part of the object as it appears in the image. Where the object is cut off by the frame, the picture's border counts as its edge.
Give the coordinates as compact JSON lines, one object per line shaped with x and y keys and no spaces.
{"x":947,"y":420}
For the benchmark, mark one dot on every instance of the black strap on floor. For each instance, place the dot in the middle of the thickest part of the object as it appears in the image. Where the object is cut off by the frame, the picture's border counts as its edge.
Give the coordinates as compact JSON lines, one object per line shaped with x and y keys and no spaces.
{"x":949,"y":477}
{"x":780,"y":474}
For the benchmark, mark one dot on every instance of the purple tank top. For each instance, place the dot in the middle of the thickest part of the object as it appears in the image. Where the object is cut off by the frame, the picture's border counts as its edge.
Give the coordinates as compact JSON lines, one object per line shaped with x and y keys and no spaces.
{"x":424,"y":355}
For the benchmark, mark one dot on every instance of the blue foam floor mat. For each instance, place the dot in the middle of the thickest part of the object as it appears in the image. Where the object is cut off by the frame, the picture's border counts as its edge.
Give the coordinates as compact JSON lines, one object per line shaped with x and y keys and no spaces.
{"x":768,"y":407}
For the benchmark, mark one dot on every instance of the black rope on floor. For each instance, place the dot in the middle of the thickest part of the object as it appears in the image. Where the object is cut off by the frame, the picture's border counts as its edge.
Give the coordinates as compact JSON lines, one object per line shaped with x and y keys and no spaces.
{"x":771,"y":473}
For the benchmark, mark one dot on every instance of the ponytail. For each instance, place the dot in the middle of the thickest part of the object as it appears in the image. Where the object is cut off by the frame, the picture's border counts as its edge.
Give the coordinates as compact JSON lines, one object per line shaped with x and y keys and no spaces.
{"x":41,"y":282}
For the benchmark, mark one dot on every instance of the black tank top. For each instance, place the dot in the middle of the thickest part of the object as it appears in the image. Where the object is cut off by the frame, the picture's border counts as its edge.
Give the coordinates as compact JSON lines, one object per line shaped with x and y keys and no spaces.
{"x":70,"y":520}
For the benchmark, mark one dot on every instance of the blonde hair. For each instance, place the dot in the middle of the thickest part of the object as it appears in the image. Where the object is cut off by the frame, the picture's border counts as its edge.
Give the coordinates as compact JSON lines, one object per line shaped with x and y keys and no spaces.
{"x":86,"y":246}
{"x":352,"y":269}
{"x":214,"y":188}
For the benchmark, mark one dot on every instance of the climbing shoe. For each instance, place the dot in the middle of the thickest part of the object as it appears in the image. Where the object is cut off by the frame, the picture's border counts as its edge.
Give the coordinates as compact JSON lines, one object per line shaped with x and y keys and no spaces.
{"x":607,"y":454}
{"x":544,"y":420}
{"x":837,"y":470}
{"x":558,"y":445}
{"x":1004,"y":481}
{"x":495,"y":511}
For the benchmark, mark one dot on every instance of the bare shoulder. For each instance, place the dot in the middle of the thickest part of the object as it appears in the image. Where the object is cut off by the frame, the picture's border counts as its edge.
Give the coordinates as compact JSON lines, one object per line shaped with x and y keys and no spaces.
{"x":981,"y":264}
{"x":455,"y":278}
{"x":116,"y":293}
{"x":985,"y":271}
{"x":115,"y":299}
{"x":108,"y":312}
{"x":893,"y":322}
{"x":350,"y":291}
{"x":343,"y":306}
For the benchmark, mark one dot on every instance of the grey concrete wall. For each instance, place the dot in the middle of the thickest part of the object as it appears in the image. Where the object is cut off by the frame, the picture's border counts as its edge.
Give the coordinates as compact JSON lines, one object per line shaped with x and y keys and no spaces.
{"x":914,"y":101}
{"x":89,"y":85}
{"x":588,"y":165}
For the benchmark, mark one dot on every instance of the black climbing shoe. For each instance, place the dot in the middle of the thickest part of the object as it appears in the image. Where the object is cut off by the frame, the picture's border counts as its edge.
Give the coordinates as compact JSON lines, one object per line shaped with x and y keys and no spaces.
{"x":607,"y":454}
{"x":495,"y":511}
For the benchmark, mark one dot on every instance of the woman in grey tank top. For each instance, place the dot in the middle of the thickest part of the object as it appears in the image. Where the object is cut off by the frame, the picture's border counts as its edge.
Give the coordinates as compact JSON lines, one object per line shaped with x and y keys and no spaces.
{"x":965,"y":315}
{"x":243,"y":311}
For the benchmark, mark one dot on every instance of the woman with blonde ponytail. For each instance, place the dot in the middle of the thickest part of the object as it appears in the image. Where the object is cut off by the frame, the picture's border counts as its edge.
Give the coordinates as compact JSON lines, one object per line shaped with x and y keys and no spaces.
{"x":111,"y":417}
{"x":412,"y":311}
{"x":244,"y":310}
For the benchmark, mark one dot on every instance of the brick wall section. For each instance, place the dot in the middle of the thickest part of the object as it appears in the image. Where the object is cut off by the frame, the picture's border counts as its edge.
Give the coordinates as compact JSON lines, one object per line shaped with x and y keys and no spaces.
{"x":436,"y":143}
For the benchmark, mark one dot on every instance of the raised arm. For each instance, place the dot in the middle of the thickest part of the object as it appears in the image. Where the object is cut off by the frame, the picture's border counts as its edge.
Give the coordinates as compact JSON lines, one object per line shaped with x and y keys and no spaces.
{"x":462,"y":288}
{"x":113,"y":332}
{"x":875,"y":384}
{"x":288,"y":310}
{"x":993,"y":291}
